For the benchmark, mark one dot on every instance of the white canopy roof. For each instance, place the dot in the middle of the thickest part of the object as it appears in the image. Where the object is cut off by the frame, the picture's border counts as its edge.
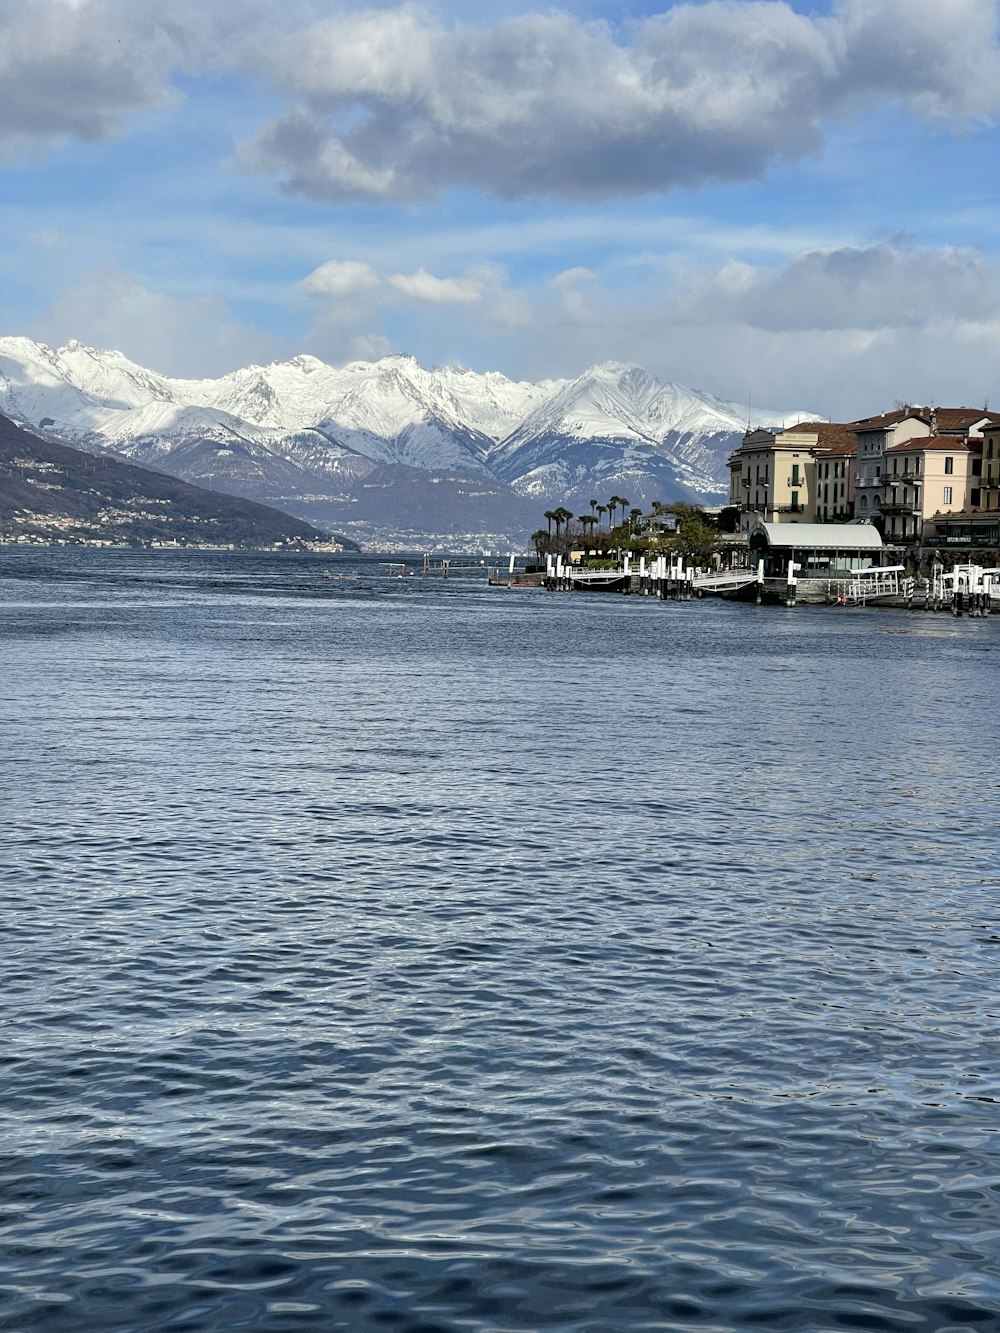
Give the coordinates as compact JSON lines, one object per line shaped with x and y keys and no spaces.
{"x":820,"y":536}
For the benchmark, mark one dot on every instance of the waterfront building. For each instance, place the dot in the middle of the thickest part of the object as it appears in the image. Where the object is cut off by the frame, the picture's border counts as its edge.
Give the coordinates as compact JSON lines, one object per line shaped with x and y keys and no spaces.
{"x":948,"y":479}
{"x":875,"y":435}
{"x":990,"y":479}
{"x":773,"y":474}
{"x":836,"y":457}
{"x":819,"y":550}
{"x":915,"y":471}
{"x":926,"y":478}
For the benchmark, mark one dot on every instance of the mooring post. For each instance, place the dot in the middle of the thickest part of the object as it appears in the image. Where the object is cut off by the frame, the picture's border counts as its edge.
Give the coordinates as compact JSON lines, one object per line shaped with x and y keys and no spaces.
{"x":760,"y":581}
{"x":793,"y":565}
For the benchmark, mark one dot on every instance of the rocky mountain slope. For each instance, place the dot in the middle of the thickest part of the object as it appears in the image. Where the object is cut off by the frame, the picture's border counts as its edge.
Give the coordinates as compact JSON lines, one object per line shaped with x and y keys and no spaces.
{"x":305,"y":435}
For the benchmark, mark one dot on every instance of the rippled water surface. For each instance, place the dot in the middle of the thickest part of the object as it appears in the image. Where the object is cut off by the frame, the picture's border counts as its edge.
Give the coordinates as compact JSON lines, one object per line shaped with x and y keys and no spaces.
{"x":420,"y":956}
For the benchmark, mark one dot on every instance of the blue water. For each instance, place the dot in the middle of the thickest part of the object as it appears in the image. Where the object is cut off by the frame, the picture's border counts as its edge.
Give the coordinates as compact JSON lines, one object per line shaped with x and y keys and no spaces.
{"x":420,"y":956}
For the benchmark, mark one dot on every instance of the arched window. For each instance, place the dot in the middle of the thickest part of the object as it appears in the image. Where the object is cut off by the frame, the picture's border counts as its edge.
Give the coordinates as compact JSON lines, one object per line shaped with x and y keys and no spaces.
{"x":864,"y":502}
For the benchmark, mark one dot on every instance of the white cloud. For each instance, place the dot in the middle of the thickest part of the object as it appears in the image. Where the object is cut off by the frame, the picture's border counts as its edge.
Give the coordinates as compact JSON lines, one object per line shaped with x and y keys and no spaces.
{"x":841,"y":331}
{"x":193,"y":336}
{"x":452,"y":312}
{"x":340,"y":277}
{"x":892,"y":284}
{"x":423,"y":286}
{"x":393,"y":104}
{"x":79,"y":68}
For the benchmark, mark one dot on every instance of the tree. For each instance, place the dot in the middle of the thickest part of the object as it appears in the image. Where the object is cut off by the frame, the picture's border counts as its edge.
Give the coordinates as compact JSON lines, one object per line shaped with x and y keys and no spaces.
{"x":601,"y":511}
{"x":562,"y":518}
{"x":540,"y":540}
{"x":549,"y":515}
{"x":694,"y":536}
{"x":625,"y":504}
{"x":612,"y":510}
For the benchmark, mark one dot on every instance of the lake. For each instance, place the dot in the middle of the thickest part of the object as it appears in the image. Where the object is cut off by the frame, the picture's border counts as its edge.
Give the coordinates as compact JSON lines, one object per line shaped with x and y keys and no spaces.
{"x":409,"y":954}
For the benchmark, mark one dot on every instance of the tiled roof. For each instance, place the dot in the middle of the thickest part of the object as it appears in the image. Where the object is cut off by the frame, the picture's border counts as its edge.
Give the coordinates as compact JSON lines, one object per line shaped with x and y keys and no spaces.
{"x":945,"y":443}
{"x":837,"y":438}
{"x":847,"y":446}
{"x":948,"y":418}
{"x":820,"y":430}
{"x":961,"y":418}
{"x":889,"y":418}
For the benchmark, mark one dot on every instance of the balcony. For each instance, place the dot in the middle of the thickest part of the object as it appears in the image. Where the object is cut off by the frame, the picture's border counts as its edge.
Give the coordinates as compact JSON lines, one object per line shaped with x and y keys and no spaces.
{"x":911,"y":508}
{"x":787,"y":509}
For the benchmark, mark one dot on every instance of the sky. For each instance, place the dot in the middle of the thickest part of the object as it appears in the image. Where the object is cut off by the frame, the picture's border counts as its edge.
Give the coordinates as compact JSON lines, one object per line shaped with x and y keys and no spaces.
{"x":793,"y":204}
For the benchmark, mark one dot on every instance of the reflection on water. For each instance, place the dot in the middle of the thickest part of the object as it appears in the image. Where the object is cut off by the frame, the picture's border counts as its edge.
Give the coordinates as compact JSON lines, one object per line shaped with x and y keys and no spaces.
{"x":418,"y":955}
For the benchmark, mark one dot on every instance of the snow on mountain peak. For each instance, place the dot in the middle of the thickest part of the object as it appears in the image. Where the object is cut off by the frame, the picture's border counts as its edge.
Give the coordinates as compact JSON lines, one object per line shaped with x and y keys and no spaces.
{"x":389,"y":410}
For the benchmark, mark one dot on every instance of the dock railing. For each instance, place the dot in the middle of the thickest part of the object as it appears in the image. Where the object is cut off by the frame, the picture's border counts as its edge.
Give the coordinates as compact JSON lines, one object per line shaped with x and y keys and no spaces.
{"x":865,"y":584}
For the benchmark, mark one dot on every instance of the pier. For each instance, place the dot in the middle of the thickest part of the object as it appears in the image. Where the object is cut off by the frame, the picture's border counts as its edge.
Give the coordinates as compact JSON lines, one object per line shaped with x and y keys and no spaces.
{"x":966,"y":590}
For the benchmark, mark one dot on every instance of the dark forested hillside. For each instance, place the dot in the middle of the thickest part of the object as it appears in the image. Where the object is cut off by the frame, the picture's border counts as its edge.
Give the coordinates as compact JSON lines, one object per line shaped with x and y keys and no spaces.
{"x":50,"y":491}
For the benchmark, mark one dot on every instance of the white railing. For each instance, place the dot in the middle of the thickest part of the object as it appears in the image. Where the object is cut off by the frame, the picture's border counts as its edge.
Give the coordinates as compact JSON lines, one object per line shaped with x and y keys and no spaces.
{"x":867,"y":583}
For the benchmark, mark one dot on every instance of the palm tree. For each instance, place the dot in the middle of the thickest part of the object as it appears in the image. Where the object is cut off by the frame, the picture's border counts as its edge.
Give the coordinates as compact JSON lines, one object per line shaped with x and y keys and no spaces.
{"x":540,"y":540}
{"x":563,"y":516}
{"x":612,"y":507}
{"x":587,"y":521}
{"x":601,"y":511}
{"x":625,"y":504}
{"x":593,"y":506}
{"x":549,"y":515}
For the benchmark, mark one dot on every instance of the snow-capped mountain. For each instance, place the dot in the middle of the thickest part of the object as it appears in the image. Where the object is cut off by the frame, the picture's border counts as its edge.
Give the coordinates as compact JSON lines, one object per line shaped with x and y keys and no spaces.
{"x":301,"y":430}
{"x":617,"y":426}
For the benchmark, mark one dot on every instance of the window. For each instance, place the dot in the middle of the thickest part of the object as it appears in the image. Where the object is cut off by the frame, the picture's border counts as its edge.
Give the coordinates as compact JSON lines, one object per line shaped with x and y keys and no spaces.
{"x":795,"y":501}
{"x":795,"y":474}
{"x":947,"y":495}
{"x":949,"y":466}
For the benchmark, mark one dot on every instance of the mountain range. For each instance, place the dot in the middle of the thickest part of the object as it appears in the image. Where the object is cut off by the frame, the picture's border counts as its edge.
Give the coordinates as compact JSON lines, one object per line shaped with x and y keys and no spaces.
{"x":389,"y":449}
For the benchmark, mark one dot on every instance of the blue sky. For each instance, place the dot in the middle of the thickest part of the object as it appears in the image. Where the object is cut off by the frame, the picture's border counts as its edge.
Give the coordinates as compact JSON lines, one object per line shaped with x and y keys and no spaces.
{"x":791,"y":201}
